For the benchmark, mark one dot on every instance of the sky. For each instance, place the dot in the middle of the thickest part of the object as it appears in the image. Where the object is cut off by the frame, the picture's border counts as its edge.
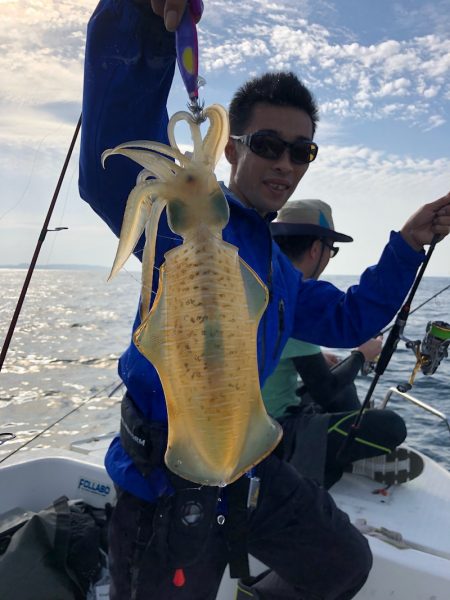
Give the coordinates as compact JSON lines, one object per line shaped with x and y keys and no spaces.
{"x":380,"y":72}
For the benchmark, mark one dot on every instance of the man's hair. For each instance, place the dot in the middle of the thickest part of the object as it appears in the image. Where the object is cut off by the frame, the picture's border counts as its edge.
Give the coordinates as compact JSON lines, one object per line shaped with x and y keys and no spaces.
{"x":279,"y":89}
{"x":295,"y":246}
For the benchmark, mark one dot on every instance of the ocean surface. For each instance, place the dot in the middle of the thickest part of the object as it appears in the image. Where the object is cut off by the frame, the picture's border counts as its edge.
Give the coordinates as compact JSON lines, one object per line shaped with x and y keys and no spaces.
{"x":57,"y":383}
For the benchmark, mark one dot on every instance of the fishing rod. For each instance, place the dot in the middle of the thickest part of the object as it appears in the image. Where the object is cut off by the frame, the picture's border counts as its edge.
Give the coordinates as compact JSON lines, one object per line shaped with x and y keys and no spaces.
{"x":388,"y":350}
{"x":7,"y":436}
{"x":37,"y":249}
{"x":369,"y":366}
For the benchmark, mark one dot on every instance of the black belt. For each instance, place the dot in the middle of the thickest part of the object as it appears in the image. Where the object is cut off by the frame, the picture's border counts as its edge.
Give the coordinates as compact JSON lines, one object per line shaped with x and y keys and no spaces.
{"x":237,"y":527}
{"x":144,"y":441}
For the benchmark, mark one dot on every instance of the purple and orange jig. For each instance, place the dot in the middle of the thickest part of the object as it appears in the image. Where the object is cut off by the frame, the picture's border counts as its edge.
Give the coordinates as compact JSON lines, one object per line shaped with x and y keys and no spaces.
{"x":186,"y":42}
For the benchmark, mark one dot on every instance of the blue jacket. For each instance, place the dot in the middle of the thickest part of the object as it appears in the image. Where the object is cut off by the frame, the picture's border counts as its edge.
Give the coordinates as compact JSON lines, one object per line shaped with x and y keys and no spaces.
{"x":129,"y":66}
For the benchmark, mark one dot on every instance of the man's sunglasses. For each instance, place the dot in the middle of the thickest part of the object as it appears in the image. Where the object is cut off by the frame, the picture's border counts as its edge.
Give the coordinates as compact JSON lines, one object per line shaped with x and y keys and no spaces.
{"x":269,"y":145}
{"x":333,"y":249}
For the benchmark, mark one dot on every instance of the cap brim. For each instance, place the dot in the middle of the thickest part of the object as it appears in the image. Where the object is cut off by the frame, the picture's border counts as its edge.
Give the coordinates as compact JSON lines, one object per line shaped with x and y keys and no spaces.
{"x":277,"y":228}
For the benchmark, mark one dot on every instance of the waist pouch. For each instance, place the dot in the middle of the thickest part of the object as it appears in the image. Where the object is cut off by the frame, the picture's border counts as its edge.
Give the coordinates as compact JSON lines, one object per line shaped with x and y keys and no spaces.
{"x":145,"y":442}
{"x":183,"y":522}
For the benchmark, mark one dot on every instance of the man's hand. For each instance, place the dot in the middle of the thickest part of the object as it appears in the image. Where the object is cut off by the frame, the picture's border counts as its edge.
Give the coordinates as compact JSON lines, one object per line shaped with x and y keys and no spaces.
{"x":171,"y":11}
{"x":430,"y":219}
{"x":331,"y":358}
{"x":372,"y":348}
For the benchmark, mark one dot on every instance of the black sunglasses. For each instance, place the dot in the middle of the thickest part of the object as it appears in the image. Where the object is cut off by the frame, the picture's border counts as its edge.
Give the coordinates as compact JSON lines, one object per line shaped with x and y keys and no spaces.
{"x":269,"y":145}
{"x":333,"y":249}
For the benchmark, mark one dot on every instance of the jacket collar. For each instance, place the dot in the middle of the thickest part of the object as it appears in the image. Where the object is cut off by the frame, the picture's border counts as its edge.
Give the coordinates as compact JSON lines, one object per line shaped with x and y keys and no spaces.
{"x":235,"y":201}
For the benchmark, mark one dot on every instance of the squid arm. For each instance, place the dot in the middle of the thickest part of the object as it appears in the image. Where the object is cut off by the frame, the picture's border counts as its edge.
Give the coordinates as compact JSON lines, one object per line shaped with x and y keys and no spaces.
{"x":159,"y":147}
{"x":144,"y":176}
{"x":137,"y":212}
{"x":160,"y":166}
{"x":195,"y":133}
{"x":217,"y":135}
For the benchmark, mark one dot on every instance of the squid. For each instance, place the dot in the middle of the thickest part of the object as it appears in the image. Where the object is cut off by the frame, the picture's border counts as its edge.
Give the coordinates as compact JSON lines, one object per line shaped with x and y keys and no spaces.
{"x":200,"y":332}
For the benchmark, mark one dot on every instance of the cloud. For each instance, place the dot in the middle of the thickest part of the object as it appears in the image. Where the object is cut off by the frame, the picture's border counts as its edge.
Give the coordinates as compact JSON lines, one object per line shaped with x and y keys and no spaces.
{"x":435,"y":121}
{"x":398,"y":77}
{"x":410,"y":16}
{"x":41,"y":66}
{"x":43,"y":45}
{"x":413,"y":71}
{"x":372,"y":192}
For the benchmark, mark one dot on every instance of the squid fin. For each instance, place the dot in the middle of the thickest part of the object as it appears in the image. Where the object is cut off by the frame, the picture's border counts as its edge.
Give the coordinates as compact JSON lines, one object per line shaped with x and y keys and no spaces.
{"x":255,"y":290}
{"x":149,"y":337}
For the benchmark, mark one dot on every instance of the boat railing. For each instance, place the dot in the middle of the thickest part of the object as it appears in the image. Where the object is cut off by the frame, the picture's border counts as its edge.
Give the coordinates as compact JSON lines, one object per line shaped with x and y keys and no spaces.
{"x":416,"y":401}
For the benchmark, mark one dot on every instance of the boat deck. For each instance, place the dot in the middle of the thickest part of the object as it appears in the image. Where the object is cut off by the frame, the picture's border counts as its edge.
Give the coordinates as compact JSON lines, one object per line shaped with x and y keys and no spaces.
{"x":408,"y":528}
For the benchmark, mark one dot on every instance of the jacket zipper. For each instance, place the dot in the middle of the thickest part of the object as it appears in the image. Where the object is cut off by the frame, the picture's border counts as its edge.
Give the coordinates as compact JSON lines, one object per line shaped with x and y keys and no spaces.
{"x":280,"y":326}
{"x":269,"y":287}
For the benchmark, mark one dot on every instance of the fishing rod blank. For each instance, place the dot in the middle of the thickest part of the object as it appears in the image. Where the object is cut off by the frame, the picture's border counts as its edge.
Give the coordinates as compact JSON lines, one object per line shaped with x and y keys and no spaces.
{"x":37,"y":249}
{"x":386,"y":354}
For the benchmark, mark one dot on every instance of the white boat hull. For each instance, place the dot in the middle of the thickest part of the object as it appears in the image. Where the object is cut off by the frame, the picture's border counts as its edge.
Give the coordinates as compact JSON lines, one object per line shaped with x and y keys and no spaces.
{"x":419,"y":511}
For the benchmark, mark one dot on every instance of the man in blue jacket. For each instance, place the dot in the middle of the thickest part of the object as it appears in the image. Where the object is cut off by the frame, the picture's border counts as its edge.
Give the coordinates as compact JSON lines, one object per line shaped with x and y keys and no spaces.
{"x":168,"y":538}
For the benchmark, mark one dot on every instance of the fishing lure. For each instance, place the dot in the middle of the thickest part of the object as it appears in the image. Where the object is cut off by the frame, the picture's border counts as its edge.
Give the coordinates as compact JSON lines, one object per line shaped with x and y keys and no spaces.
{"x":186,"y":44}
{"x":200,"y":333}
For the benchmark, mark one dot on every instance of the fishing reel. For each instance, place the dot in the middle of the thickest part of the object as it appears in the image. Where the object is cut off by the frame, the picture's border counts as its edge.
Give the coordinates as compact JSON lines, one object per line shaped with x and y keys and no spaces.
{"x":430,"y":351}
{"x":434,"y":346}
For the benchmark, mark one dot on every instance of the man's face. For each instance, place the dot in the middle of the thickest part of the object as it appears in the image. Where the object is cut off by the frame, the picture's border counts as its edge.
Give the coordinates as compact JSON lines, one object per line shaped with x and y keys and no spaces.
{"x":266,"y":184}
{"x":314,"y":260}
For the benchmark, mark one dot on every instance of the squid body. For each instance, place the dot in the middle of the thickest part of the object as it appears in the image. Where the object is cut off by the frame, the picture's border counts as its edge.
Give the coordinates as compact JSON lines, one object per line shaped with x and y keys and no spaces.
{"x":200,"y":333}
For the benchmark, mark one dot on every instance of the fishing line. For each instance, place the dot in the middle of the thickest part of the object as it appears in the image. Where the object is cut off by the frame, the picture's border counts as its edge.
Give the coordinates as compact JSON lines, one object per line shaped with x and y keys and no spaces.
{"x":131,"y":276}
{"x":417,"y":307}
{"x":168,"y":237}
{"x":37,"y":249}
{"x":117,"y":386}
{"x":63,"y":212}
{"x":27,"y":185}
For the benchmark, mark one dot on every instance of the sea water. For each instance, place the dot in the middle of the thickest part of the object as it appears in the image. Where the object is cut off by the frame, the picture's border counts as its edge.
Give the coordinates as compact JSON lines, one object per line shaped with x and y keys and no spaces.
{"x":59,"y":379}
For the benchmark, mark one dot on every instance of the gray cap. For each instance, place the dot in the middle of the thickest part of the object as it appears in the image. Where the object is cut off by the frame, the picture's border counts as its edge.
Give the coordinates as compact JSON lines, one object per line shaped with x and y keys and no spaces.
{"x":307,"y":217}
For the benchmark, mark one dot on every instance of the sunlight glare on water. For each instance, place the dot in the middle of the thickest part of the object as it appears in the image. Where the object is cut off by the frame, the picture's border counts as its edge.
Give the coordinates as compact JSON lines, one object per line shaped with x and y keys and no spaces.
{"x":74,"y":326}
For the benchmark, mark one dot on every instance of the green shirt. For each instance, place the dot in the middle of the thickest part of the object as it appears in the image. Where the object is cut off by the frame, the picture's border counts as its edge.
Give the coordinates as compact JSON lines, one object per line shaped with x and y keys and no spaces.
{"x":279,"y":389}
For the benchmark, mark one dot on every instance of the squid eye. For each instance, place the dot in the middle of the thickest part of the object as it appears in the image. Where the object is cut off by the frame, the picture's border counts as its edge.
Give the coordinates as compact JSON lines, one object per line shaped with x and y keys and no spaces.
{"x":176,"y":212}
